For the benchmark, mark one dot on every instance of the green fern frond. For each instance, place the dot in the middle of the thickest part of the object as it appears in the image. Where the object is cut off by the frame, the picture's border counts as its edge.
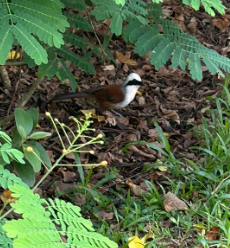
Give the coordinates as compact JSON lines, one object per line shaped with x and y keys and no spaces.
{"x":78,"y":5}
{"x":209,"y":5}
{"x":31,"y":46}
{"x":75,"y":59}
{"x":79,"y":22}
{"x":44,"y":13}
{"x":5,"y":242}
{"x":6,"y":41}
{"x":91,"y":238}
{"x":7,"y":178}
{"x":171,"y":40}
{"x":64,"y":73}
{"x":66,"y":215}
{"x":56,"y":5}
{"x":135,"y":6}
{"x":49,"y":69}
{"x":77,"y":41}
{"x":154,"y":10}
{"x":44,"y":222}
{"x":44,"y":32}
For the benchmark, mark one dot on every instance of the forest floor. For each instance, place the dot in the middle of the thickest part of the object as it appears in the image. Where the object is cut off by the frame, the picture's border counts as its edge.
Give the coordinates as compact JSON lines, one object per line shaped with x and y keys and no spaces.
{"x":170,"y":97}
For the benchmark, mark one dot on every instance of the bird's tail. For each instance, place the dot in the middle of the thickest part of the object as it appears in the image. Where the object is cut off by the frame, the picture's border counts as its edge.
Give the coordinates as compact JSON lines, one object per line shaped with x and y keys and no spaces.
{"x":70,"y":95}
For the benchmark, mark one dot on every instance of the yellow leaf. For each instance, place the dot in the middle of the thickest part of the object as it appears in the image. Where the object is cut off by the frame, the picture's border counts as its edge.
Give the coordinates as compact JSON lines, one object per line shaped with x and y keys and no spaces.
{"x":139,"y":93}
{"x":135,"y":242}
{"x":100,"y":118}
{"x":147,"y":236}
{"x":125,"y":60}
{"x":199,"y":226}
{"x":11,"y":55}
{"x":161,"y":168}
{"x":89,"y":112}
{"x":7,"y":197}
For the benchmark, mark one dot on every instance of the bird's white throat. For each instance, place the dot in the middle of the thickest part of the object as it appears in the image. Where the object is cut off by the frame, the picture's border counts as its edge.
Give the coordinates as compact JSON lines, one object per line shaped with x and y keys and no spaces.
{"x":129,"y":92}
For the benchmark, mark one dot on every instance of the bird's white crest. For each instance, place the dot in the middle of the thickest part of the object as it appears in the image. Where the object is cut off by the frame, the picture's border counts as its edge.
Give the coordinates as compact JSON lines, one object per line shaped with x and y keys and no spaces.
{"x":132,"y":76}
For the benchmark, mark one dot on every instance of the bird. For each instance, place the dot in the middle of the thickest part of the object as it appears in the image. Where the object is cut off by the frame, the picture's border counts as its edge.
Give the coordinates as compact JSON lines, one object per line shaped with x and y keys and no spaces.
{"x":109,"y":97}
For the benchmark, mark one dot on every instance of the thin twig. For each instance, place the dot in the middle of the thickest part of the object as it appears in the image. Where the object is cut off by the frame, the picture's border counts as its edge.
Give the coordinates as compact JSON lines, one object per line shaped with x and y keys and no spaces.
{"x":15,"y":91}
{"x":220,"y":184}
{"x":24,"y":100}
{"x":99,"y":42}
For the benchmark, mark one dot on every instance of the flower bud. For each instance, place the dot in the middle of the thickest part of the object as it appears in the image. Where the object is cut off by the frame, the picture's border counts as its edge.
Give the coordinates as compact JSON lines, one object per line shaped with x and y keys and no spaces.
{"x":104,"y":163}
{"x":99,"y":136}
{"x":64,"y":151}
{"x":48,"y":114}
{"x":29,"y":149}
{"x":91,"y":152}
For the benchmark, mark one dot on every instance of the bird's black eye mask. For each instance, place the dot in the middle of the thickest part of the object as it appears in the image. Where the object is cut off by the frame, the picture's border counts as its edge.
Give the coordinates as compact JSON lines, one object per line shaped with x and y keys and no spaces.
{"x":134,"y":82}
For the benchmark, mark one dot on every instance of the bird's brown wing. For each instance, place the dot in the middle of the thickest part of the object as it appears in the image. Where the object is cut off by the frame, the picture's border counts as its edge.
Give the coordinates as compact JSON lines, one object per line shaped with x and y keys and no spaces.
{"x":111,"y":94}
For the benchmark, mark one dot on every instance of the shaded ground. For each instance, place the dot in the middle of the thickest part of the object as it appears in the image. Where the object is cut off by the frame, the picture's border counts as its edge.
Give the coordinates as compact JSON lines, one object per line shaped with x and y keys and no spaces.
{"x":169,"y":96}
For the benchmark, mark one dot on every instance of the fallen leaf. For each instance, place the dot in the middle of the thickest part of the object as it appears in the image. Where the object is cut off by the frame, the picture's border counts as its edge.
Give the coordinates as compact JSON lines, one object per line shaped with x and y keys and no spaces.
{"x":221,"y":24}
{"x":172,"y":202}
{"x":108,"y":67}
{"x":135,"y":189}
{"x":88,"y":111}
{"x":135,"y":242}
{"x":79,"y":199}
{"x":140,"y":152}
{"x":104,"y":215}
{"x":212,"y":234}
{"x":122,"y":58}
{"x":12,"y":54}
{"x":7,"y":197}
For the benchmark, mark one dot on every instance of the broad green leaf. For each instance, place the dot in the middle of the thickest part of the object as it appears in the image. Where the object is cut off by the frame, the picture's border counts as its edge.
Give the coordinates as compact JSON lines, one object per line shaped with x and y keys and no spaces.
{"x":17,"y":155}
{"x":25,"y":172}
{"x":5,"y":137}
{"x":33,"y":157}
{"x":17,"y":139}
{"x":34,"y":113}
{"x":43,"y":154}
{"x":116,"y":24}
{"x":24,"y":122}
{"x":39,"y":135}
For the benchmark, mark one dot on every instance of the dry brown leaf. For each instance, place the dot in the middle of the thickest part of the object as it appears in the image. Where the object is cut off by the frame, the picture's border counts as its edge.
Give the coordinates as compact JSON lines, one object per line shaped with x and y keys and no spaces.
{"x":110,"y":119}
{"x":213,"y":233}
{"x":135,"y":189}
{"x":122,"y":58}
{"x":79,"y":199}
{"x":221,"y":24}
{"x":7,"y":197}
{"x":170,"y":114}
{"x":172,"y":202}
{"x":104,"y":215}
{"x":140,"y":152}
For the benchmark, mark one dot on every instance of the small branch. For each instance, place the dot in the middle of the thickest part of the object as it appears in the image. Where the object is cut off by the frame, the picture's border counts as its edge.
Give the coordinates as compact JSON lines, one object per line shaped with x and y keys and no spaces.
{"x":5,"y":78}
{"x":16,"y":63}
{"x":24,"y":100}
{"x":99,"y":42}
{"x":220,"y":184}
{"x":31,"y":91}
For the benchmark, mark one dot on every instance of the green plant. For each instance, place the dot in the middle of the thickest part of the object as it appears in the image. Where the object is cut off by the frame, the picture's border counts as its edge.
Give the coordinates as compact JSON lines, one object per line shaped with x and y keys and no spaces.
{"x":24,"y":152}
{"x":7,"y":153}
{"x":45,"y":21}
{"x":49,"y":223}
